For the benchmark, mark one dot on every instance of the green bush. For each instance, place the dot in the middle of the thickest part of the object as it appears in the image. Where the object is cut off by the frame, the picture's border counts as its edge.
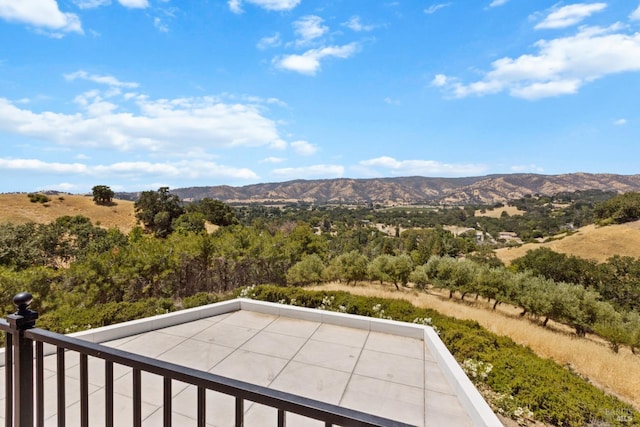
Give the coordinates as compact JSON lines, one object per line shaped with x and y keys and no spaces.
{"x":68,"y":319}
{"x":38,"y":198}
{"x":199,"y":299}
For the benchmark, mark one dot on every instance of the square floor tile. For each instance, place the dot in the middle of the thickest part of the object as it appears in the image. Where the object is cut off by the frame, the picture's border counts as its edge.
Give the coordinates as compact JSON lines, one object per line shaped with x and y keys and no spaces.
{"x":311,"y":381}
{"x":379,"y":397}
{"x":329,"y":355}
{"x":391,"y":367}
{"x":341,"y":335}
{"x":250,"y":367}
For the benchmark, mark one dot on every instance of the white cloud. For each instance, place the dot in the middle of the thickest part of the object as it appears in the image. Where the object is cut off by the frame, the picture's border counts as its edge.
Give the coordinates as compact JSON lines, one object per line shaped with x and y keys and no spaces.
{"x":272,"y":41}
{"x":620,"y":122}
{"x":313,"y":171}
{"x":422,"y":167}
{"x":496,"y":3}
{"x":235,"y":6}
{"x":161,"y":26}
{"x":141,"y":123}
{"x":189,"y":169}
{"x":275,"y":5}
{"x":356,"y":25}
{"x":273,"y":160}
{"x":309,"y":28}
{"x":42,"y":14}
{"x":91,"y":4}
{"x":134,"y":4}
{"x":635,"y":15}
{"x":436,"y":7}
{"x":560,"y":66}
{"x":572,"y":14}
{"x":547,"y":89}
{"x":304,"y":148}
{"x":309,"y":62}
{"x":439,"y":80}
{"x":106,"y":80}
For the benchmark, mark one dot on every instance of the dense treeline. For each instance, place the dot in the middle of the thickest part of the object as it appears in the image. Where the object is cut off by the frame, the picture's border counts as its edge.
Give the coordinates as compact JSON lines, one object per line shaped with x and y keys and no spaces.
{"x":619,"y":209}
{"x":617,"y":280}
{"x":539,"y":297}
{"x":541,"y":216}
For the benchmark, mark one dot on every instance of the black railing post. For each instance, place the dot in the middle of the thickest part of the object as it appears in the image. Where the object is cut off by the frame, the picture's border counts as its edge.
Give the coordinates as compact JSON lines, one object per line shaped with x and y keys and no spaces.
{"x":23,"y":319}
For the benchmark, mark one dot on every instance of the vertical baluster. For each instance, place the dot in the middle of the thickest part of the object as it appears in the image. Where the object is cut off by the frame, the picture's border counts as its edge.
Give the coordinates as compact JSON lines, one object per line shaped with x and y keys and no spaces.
{"x":60,"y":387}
{"x":167,"y":402}
{"x":84,"y":390}
{"x":108,"y":393}
{"x":137,"y":398}
{"x":202,"y":407}
{"x":239,"y":412}
{"x":282,"y":418}
{"x":23,"y":384}
{"x":8,"y":378}
{"x":40,"y":384}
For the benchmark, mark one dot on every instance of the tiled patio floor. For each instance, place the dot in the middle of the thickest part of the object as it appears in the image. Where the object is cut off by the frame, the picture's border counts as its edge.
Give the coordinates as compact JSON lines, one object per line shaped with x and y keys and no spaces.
{"x":387,"y":375}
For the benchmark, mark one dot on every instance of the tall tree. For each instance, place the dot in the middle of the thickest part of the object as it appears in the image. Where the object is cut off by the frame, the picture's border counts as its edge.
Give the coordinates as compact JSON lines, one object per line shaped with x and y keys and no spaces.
{"x":214,"y":211}
{"x":158,"y":210}
{"x":102,"y":195}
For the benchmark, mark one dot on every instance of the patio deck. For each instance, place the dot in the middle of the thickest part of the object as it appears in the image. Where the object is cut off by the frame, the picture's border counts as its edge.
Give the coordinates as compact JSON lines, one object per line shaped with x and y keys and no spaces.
{"x":390,"y":369}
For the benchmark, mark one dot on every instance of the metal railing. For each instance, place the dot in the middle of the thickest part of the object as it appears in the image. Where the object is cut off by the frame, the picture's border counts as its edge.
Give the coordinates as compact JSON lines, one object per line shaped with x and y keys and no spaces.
{"x":25,"y":398}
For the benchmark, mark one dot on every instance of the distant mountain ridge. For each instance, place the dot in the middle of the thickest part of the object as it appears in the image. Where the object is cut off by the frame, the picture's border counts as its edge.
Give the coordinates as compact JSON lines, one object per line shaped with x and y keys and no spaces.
{"x":414,"y":190}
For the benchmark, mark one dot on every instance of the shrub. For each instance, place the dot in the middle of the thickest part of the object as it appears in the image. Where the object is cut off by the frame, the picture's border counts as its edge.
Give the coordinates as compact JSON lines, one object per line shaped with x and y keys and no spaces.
{"x":38,"y":198}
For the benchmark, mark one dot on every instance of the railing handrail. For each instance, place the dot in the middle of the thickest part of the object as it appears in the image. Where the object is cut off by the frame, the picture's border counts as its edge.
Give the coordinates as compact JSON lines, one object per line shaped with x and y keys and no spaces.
{"x":329,"y":413}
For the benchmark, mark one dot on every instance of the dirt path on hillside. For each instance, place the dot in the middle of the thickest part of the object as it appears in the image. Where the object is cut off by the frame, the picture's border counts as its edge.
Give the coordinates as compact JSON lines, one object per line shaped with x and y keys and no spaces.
{"x":618,"y":374}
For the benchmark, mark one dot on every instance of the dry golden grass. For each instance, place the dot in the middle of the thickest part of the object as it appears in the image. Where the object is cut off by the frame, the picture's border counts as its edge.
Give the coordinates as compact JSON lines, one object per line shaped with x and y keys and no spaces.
{"x":590,"y":242}
{"x":17,"y":209}
{"x":496,"y":213}
{"x":618,"y":374}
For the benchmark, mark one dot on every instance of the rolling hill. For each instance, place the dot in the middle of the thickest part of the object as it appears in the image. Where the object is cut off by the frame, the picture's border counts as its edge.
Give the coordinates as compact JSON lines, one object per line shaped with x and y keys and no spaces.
{"x":16,"y":208}
{"x":590,"y":242}
{"x":411,"y":190}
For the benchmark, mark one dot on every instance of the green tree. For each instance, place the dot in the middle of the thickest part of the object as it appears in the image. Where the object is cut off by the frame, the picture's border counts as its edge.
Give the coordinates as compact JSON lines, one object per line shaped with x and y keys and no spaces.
{"x":350,"y":266}
{"x":402,"y":266}
{"x":190,"y":222}
{"x":157,"y":210}
{"x":380,"y":268}
{"x":419,"y":277}
{"x":308,"y":270}
{"x":622,"y":208}
{"x":102,"y":195}
{"x":214,"y":211}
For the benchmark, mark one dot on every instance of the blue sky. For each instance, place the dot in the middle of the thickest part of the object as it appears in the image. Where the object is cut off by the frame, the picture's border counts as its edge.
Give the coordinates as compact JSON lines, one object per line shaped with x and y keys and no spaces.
{"x":138,"y":94}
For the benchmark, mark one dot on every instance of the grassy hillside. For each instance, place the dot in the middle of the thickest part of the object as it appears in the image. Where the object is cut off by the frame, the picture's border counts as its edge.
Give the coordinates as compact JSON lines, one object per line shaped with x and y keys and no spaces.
{"x":591,"y":242}
{"x":17,"y":209}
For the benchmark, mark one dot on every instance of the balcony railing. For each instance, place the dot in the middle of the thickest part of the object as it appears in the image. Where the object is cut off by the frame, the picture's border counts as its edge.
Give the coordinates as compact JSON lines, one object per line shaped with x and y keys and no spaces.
{"x":25,"y":398}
